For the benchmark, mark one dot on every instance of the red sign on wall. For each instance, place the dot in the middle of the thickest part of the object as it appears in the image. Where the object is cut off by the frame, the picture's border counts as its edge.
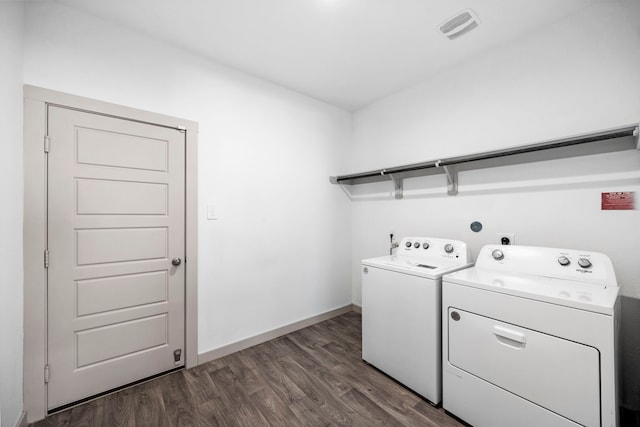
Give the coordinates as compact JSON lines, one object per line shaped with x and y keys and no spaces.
{"x":622,"y":200}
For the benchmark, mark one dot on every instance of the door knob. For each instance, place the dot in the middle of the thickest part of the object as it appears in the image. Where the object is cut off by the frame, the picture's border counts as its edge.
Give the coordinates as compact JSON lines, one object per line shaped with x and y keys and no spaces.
{"x":176,"y":261}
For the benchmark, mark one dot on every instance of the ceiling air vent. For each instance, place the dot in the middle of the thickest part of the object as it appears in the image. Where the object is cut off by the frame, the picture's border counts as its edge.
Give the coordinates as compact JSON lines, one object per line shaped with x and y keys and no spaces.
{"x":459,"y":24}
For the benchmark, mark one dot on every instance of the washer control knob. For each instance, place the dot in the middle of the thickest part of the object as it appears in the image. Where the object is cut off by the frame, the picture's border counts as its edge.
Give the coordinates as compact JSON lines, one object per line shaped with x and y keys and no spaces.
{"x":584,"y":263}
{"x":408,"y":244}
{"x":448,"y":248}
{"x":497,"y":254}
{"x":425,"y":245}
{"x":563,"y":260}
{"x":416,"y":245}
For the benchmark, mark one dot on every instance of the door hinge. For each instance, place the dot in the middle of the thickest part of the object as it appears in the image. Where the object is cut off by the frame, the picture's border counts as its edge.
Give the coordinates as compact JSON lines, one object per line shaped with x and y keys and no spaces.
{"x":46,"y":258}
{"x":47,"y":143}
{"x":46,"y":374}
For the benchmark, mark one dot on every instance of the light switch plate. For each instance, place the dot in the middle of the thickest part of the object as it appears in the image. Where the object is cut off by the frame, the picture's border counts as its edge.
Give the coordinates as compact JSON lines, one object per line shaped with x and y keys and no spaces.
{"x":211,"y":212}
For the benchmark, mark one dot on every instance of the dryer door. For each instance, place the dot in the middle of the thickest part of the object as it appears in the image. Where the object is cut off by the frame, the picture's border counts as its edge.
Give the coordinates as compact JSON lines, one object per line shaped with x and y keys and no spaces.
{"x":557,"y":374}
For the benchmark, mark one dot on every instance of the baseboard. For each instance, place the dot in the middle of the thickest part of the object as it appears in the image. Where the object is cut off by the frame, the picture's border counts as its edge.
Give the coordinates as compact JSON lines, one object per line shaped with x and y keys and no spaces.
{"x":22,"y":421}
{"x":356,"y":308}
{"x":269,"y":335}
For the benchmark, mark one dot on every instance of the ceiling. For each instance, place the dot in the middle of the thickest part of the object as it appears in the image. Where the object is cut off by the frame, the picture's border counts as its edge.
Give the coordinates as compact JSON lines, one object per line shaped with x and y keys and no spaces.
{"x":346,"y":52}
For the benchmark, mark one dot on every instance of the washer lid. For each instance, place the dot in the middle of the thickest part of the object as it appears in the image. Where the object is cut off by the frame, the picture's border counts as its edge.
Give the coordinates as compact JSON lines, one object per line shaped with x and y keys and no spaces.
{"x":431,"y":269}
{"x":595,"y":297}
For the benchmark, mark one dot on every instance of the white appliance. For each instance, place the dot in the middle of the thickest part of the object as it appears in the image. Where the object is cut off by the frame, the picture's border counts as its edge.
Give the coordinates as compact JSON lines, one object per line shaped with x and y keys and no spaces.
{"x":401,"y":311}
{"x":529,"y":339}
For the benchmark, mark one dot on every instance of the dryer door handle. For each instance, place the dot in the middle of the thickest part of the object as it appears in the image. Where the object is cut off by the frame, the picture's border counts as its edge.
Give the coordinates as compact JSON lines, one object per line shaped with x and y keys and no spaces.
{"x":510,"y":334}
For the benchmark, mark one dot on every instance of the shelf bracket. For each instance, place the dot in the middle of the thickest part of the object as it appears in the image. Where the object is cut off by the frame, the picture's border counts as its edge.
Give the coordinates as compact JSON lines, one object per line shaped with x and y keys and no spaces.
{"x":397,"y":184}
{"x":346,"y":191}
{"x":452,"y":178}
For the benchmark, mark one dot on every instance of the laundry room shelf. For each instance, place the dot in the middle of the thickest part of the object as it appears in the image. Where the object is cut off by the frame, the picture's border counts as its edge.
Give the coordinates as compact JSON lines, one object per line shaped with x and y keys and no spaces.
{"x":617,"y":139}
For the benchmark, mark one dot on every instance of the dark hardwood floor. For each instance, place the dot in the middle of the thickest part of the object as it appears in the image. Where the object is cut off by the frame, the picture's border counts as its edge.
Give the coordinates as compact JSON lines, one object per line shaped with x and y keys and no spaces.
{"x":312,"y":377}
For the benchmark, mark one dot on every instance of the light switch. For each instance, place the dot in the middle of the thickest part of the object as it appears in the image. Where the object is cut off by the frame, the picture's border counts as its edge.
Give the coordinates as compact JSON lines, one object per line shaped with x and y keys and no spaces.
{"x":211,"y":212}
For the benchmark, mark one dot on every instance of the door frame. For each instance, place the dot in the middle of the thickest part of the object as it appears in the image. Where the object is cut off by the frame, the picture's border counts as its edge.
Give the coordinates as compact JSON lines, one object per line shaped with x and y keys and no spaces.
{"x":36,"y":100}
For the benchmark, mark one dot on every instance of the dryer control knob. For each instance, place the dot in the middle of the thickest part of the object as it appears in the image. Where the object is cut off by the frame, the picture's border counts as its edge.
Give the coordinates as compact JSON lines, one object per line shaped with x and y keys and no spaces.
{"x":425,"y":245}
{"x":416,"y":245}
{"x":408,"y":244}
{"x":497,"y":254}
{"x":448,"y":248}
{"x":563,"y":260}
{"x":584,"y":263}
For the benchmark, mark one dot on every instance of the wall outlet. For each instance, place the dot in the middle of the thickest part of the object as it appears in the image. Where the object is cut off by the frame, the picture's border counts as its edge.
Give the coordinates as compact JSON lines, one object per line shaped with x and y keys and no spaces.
{"x":507,"y":238}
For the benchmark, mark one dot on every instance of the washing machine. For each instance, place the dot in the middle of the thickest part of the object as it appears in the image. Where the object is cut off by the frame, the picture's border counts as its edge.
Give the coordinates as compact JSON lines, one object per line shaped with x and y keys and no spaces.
{"x":401,"y":311}
{"x":530,"y":339}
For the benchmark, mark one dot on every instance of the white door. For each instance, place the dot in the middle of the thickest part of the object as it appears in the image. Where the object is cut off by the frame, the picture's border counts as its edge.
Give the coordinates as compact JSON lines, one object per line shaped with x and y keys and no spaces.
{"x":115,"y":223}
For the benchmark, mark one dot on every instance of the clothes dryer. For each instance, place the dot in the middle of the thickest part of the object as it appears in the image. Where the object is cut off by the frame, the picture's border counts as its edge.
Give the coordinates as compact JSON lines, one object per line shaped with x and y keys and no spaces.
{"x":529,"y":339}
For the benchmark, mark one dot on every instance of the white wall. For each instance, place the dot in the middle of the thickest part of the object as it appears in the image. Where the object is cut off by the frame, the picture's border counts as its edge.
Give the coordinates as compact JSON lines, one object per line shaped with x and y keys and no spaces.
{"x":578,"y":75}
{"x":11,"y":24}
{"x":279,"y":251}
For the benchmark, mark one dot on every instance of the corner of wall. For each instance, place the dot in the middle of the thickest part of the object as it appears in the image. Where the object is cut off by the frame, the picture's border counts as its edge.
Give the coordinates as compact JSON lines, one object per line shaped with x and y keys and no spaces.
{"x":11,"y":299}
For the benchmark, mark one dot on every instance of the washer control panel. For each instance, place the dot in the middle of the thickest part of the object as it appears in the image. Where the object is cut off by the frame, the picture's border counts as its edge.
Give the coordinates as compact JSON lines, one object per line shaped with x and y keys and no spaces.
{"x":568,"y":264}
{"x":433,"y":247}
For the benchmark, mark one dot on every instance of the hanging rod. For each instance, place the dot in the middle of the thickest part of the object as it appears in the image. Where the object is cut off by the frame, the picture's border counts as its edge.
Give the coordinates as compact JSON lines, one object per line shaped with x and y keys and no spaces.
{"x":558,"y":146}
{"x":548,"y":145}
{"x":384,"y":174}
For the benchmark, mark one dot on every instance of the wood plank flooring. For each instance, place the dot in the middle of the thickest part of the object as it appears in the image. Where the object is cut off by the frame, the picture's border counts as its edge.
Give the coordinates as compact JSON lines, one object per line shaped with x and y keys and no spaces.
{"x":311,"y":377}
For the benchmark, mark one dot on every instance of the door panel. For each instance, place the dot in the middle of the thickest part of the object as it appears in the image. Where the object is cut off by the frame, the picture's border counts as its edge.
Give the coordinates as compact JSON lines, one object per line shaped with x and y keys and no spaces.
{"x":116,"y":219}
{"x":122,"y":244}
{"x":102,"y":197}
{"x":106,"y":342}
{"x":109,"y":148}
{"x":113,"y":293}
